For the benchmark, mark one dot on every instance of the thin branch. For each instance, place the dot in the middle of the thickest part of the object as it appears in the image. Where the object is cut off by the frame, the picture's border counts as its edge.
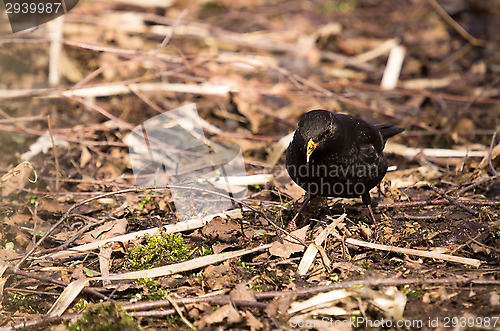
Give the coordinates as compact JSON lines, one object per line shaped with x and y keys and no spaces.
{"x":461,"y":31}
{"x":452,"y":200}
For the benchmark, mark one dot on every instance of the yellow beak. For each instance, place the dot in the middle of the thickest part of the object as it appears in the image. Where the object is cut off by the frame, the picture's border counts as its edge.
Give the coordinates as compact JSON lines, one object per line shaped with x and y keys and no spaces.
{"x":311,"y":146}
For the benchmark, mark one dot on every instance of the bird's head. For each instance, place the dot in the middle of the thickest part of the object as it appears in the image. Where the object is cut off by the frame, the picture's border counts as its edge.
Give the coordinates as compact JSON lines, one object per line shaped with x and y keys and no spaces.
{"x":317,"y":127}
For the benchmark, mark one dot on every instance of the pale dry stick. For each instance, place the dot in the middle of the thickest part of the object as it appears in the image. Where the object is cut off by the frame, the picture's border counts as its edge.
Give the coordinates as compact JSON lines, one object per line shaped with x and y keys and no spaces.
{"x":432,"y":255}
{"x":312,"y":250}
{"x":25,"y":93}
{"x":381,"y":49}
{"x":429,"y":83}
{"x":411,"y":153}
{"x":121,"y":51}
{"x":393,"y":67}
{"x":104,"y":90}
{"x":461,"y":31}
{"x":55,"y":49}
{"x":23,"y":119}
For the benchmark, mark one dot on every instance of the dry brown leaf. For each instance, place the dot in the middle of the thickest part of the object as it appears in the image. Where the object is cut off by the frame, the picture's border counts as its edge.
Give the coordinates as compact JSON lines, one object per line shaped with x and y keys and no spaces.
{"x":289,"y":245}
{"x":221,"y":229}
{"x":218,"y":277}
{"x":278,"y":307}
{"x":252,"y":322}
{"x":78,"y":272}
{"x":85,"y":157}
{"x":226,"y":313}
{"x":109,"y":229}
{"x":242,"y":292}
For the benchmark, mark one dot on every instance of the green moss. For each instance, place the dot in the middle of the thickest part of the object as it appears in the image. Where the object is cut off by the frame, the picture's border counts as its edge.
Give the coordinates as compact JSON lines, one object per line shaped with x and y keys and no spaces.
{"x":154,"y":289}
{"x":31,"y":303}
{"x":33,"y":199}
{"x":80,"y":305}
{"x":206,"y":251}
{"x":144,"y":201}
{"x":412,"y":293}
{"x":157,"y":249}
{"x":104,"y":317}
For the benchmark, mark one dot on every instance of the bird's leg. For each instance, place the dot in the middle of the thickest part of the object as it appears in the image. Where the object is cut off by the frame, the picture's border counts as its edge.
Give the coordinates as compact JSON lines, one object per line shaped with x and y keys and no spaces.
{"x":292,"y":225}
{"x":372,"y":215}
{"x":367,"y":200}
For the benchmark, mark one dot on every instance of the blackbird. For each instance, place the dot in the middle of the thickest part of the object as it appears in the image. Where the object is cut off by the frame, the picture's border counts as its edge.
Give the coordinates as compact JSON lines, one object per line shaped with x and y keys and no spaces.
{"x":336,"y":155}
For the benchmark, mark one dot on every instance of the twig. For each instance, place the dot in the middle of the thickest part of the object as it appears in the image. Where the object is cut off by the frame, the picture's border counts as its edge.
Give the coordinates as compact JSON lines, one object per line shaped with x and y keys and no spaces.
{"x":411,"y":153}
{"x":23,"y":119}
{"x":461,"y":31}
{"x":176,"y":307}
{"x":475,"y":184}
{"x":419,"y":203}
{"x":452,"y":200}
{"x":169,"y":36}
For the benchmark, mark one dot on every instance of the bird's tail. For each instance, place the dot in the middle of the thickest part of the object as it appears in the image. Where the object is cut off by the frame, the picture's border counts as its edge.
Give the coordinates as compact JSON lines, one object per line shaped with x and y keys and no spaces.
{"x":388,"y":130}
